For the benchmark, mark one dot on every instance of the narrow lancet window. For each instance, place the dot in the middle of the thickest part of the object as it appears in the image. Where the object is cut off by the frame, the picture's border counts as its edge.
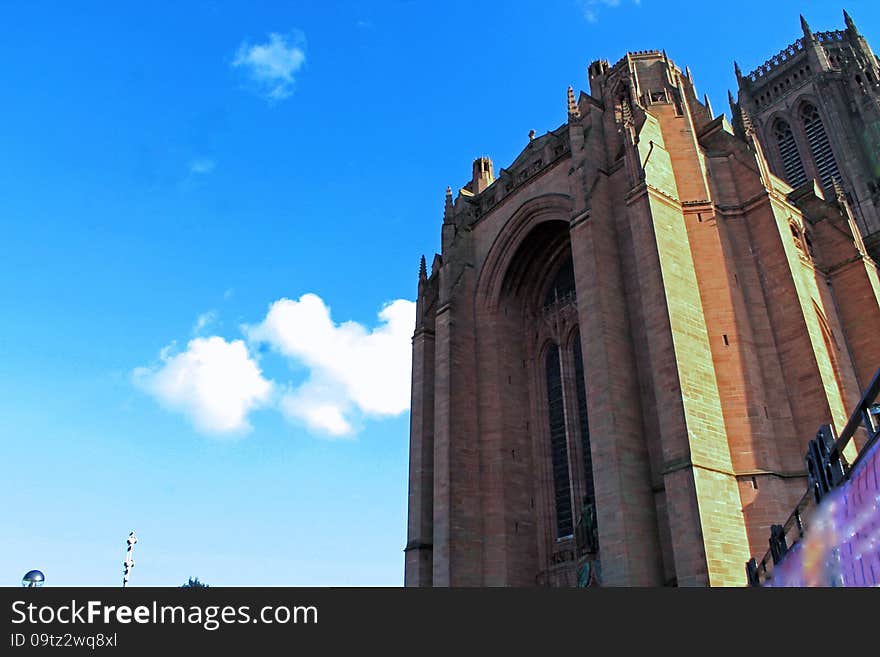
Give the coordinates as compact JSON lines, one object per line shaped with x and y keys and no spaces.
{"x":584,"y":424}
{"x":792,"y":165}
{"x":558,"y":445}
{"x":826,"y":165}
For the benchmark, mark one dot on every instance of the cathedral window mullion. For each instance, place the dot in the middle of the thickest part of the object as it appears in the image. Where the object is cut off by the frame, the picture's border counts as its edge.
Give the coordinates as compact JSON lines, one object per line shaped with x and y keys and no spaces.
{"x":789,"y":153}
{"x":572,"y":429}
{"x":824,"y":162}
{"x":558,"y":444}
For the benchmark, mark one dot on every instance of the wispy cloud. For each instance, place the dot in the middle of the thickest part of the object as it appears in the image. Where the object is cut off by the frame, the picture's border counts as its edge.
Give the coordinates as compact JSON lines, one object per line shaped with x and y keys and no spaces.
{"x":592,"y":9}
{"x":204,"y":320}
{"x":201,"y":166}
{"x":215,"y":383}
{"x":272,"y":65}
{"x":352,"y":373}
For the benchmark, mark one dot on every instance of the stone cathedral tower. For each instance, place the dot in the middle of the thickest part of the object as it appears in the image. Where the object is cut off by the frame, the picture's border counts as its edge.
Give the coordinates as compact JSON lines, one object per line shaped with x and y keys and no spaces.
{"x":625,"y":343}
{"x":816,"y":108}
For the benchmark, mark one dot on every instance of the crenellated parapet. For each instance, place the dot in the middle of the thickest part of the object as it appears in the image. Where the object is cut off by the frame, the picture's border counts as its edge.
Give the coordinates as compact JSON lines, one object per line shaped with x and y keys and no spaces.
{"x":637,"y":54}
{"x":790,"y":68}
{"x":780,"y":59}
{"x":831,"y":36}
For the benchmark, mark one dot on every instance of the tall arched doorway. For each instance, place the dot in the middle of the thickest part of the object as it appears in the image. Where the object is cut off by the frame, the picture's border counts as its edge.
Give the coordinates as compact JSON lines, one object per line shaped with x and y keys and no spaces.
{"x":539,"y":315}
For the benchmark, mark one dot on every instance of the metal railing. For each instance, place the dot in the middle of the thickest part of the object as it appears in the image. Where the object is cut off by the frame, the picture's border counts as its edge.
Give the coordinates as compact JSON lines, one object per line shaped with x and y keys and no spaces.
{"x":827,"y":469}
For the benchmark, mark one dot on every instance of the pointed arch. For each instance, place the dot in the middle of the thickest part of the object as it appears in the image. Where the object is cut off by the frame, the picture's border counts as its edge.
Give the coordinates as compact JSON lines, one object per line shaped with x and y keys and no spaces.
{"x":515,"y":244}
{"x":820,"y":147}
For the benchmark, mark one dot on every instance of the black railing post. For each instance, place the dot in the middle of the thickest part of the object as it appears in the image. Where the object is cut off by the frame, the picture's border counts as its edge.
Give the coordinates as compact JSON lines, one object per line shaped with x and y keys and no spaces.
{"x":871,"y":418}
{"x":778,"y":548}
{"x":752,"y":572}
{"x":824,"y":467}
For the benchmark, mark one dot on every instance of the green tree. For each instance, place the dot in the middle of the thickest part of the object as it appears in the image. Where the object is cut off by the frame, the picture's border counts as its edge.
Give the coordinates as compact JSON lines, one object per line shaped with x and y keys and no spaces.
{"x":194,"y":583}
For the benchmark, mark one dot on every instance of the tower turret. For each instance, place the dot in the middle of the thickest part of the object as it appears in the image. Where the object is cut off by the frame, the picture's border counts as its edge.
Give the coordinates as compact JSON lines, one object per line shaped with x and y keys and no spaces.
{"x":483,"y":176}
{"x":850,"y":25}
{"x":808,"y":33}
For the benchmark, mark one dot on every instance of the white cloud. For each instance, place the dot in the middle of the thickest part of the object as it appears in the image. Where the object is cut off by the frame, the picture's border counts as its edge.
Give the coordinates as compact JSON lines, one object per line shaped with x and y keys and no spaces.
{"x":214,"y":382}
{"x":204,"y":320}
{"x":201,"y":166}
{"x":319,"y":410}
{"x":352,"y":370}
{"x":271,"y":65}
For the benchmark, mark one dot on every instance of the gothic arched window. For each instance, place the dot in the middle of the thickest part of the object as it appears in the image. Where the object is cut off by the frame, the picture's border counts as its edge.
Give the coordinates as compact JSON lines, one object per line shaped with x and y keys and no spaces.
{"x":563,"y":284}
{"x":788,"y":150}
{"x":826,"y":165}
{"x":583,"y":421}
{"x":558,"y":444}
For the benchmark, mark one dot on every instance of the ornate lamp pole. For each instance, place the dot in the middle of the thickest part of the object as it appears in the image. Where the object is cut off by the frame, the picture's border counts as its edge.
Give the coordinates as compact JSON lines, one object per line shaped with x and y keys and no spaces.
{"x":33,"y":579}
{"x":129,"y":562}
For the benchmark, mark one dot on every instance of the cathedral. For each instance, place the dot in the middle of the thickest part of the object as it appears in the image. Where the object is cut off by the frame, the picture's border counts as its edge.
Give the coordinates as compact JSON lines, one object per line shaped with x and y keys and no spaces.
{"x":632,"y":331}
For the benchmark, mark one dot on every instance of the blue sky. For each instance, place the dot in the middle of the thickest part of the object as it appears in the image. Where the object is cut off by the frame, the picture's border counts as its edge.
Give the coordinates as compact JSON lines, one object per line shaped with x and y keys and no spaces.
{"x":211,"y":216}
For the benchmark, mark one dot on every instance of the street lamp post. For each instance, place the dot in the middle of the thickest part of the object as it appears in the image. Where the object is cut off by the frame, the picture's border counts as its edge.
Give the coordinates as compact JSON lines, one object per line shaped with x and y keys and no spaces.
{"x":33,"y":579}
{"x":129,"y":561}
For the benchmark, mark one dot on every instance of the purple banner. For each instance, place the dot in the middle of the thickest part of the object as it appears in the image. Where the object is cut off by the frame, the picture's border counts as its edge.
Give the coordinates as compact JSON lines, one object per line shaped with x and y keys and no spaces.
{"x":842,"y":543}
